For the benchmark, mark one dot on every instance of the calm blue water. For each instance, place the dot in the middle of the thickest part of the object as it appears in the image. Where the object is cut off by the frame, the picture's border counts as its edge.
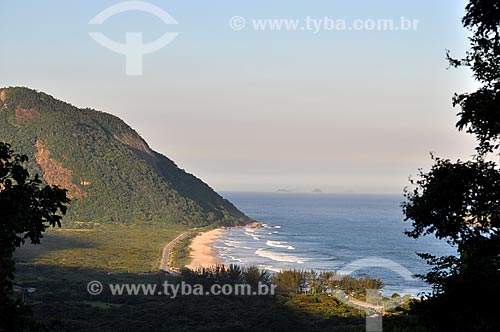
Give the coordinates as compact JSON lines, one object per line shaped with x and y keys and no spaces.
{"x":360,"y":233}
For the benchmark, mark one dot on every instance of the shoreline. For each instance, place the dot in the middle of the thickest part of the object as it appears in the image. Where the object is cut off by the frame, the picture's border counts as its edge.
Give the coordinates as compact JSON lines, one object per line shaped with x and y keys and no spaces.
{"x":203,"y":254}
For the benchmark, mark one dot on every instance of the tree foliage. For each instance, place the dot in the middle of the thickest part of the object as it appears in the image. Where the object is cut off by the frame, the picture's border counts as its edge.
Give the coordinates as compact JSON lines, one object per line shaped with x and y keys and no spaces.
{"x":460,"y":201}
{"x":287,"y":282}
{"x":27,"y":209}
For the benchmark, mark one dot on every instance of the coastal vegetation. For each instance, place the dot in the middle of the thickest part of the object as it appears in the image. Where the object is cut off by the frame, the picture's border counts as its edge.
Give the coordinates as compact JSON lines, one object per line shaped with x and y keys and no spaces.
{"x":312,"y":282}
{"x":181,"y":252}
{"x":287,"y":282}
{"x":114,"y":248}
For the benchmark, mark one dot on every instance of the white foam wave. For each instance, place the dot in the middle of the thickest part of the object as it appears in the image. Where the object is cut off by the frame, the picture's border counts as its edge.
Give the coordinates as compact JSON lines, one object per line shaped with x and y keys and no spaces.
{"x":250,"y":232}
{"x":234,"y":244}
{"x":278,"y":244}
{"x":222,"y":249}
{"x":235,"y":259}
{"x":269,"y":226}
{"x":278,"y":257}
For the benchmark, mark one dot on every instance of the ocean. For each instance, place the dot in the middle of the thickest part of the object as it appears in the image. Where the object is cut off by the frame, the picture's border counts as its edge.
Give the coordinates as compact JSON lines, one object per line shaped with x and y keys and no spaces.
{"x":358,"y":234}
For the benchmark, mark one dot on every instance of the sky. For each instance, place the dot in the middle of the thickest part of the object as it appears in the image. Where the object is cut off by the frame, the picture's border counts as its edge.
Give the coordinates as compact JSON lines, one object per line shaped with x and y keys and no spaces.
{"x":346,"y":111}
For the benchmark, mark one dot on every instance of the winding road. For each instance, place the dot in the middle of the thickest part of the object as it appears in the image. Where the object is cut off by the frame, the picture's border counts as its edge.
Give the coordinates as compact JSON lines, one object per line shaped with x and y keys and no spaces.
{"x":165,"y":259}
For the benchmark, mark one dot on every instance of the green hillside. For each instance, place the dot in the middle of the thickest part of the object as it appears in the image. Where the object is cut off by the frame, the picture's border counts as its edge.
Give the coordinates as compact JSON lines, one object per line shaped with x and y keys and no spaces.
{"x":110,"y":172}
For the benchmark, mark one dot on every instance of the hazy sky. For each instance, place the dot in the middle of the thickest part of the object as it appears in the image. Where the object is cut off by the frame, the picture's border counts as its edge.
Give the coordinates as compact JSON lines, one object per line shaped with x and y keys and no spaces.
{"x":344,"y":111}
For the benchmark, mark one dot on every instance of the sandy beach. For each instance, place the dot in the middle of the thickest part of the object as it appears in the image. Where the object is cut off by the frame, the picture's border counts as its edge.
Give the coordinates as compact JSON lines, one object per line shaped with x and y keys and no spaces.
{"x":202,"y":252}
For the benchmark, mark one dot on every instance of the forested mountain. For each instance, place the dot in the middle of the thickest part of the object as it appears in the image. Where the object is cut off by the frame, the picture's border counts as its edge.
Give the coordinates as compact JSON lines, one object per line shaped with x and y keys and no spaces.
{"x":110,"y":172}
